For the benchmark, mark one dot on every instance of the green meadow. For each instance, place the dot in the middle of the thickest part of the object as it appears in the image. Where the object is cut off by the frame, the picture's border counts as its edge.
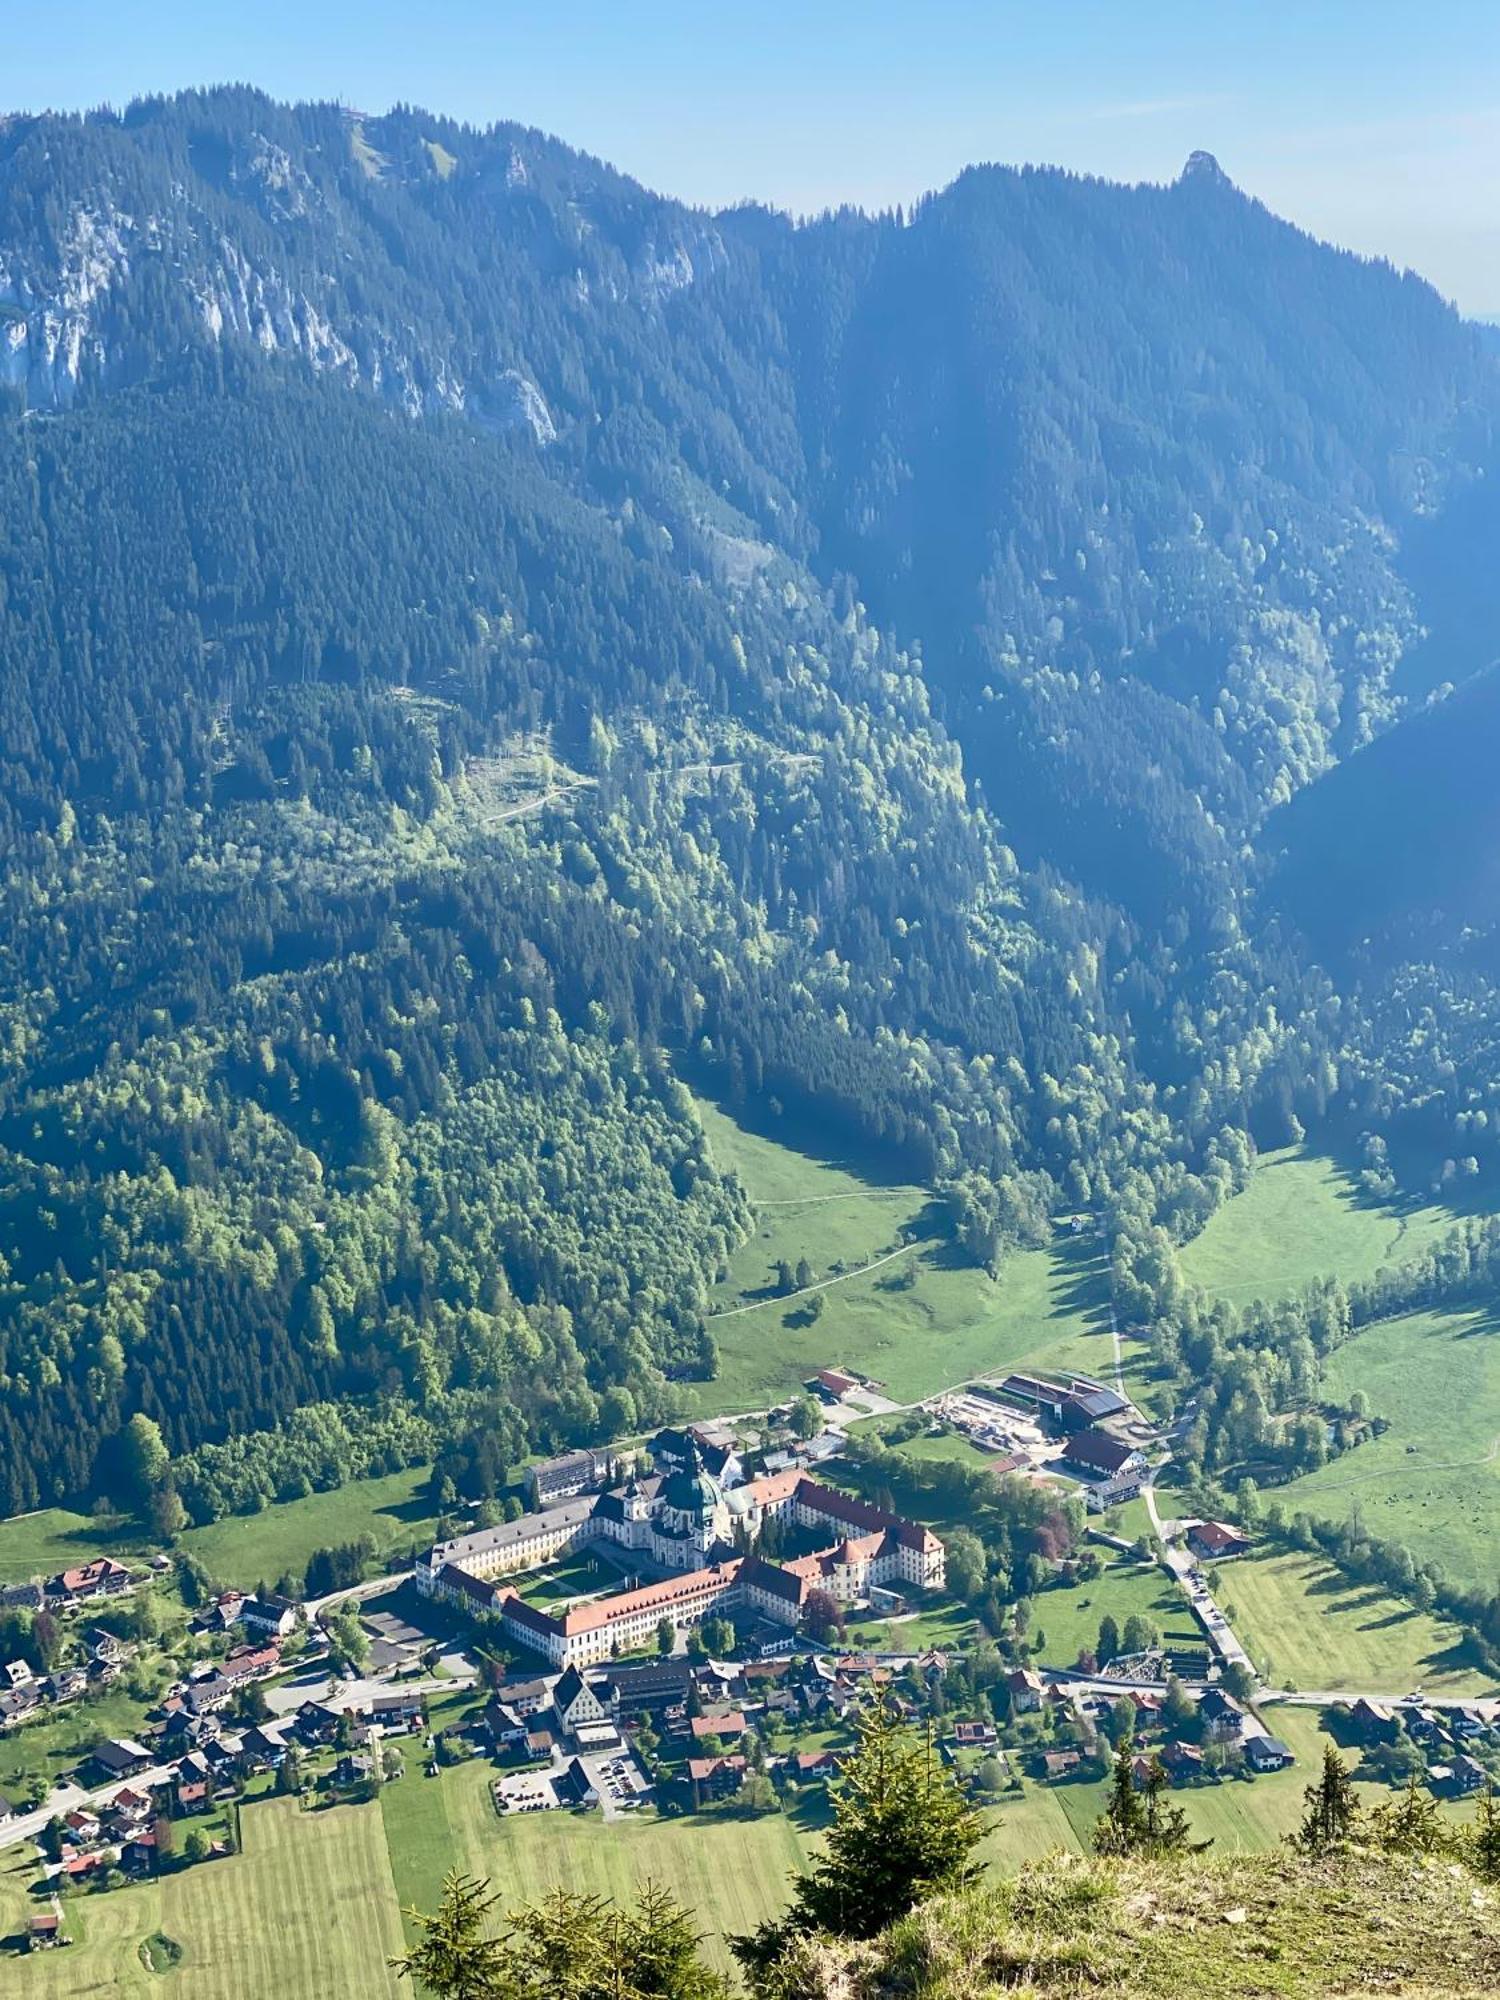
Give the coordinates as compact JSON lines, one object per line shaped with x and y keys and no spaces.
{"x":1303,"y":1217}
{"x":921,"y":1322}
{"x":1432,"y":1480}
{"x":1299,"y":1617}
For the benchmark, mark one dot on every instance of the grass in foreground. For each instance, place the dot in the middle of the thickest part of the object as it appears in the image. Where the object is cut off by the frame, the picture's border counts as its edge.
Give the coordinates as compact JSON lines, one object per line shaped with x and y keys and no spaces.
{"x":1298,"y":1615}
{"x":1173,"y":1931}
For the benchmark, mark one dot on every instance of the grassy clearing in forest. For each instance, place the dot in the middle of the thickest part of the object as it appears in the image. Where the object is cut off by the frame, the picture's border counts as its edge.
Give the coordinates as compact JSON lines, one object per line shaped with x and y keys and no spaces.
{"x":1303,"y":1217}
{"x":948,"y":1324}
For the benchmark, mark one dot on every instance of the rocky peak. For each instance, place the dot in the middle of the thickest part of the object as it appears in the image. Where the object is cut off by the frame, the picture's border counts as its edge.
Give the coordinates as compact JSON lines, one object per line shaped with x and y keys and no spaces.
{"x":1202,"y":166}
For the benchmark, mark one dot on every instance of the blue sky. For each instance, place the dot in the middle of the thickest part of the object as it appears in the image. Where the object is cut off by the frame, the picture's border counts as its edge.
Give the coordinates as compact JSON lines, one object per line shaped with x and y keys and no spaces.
{"x":1373,"y":122}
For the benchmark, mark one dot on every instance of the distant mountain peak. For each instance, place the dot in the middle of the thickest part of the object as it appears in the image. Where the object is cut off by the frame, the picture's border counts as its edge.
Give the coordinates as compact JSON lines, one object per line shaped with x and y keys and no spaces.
{"x":1202,"y":166}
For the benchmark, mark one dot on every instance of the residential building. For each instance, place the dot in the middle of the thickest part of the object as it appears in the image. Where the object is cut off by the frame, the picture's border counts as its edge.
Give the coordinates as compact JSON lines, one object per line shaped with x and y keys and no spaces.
{"x":575,"y":1472}
{"x":1267,"y":1753}
{"x":1216,"y":1541}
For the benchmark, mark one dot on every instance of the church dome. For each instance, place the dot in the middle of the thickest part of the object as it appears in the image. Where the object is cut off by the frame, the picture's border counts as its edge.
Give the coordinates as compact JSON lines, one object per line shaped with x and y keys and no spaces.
{"x":692,"y":1490}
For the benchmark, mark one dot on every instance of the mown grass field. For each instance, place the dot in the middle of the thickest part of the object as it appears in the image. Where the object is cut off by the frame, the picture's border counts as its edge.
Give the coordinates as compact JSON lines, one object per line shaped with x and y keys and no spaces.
{"x":1433,"y":1479}
{"x":1303,"y":1217}
{"x":732,"y":1872}
{"x":308,"y":1909}
{"x":1300,"y":1617}
{"x":951,"y":1324}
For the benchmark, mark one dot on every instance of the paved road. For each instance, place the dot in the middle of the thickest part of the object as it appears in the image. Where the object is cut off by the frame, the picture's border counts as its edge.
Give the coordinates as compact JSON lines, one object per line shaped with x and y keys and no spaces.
{"x":64,"y":1798}
{"x":361,"y":1593}
{"x":1184,"y":1566}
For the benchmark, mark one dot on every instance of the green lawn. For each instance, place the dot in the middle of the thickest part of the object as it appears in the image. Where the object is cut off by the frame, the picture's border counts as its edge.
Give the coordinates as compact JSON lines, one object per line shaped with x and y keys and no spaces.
{"x":309,"y":1908}
{"x":732,"y":1872}
{"x":1069,"y":1618}
{"x":1432,"y":1480}
{"x":559,"y":1583}
{"x":1301,"y":1218}
{"x":952,"y":1324}
{"x":54,"y":1745}
{"x":1300,"y":1617}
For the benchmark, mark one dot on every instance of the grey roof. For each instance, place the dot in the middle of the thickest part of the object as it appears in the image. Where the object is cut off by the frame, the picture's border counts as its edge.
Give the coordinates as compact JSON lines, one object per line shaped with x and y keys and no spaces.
{"x":486,"y":1541}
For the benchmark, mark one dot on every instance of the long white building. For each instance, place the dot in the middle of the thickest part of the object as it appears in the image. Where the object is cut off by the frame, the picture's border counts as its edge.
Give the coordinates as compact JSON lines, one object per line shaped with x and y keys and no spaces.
{"x":686,"y":1524}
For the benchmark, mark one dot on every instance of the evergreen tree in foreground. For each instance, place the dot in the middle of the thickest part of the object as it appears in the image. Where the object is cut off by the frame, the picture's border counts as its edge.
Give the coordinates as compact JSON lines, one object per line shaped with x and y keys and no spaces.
{"x":902,"y":1830}
{"x":1410,"y":1824}
{"x":1141,"y":1819}
{"x":456,"y":1960}
{"x":566,"y":1947}
{"x":1332,"y":1808}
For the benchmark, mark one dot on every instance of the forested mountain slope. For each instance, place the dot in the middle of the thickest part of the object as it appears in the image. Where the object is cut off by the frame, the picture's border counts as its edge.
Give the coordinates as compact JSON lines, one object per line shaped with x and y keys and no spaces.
{"x":480,"y":642}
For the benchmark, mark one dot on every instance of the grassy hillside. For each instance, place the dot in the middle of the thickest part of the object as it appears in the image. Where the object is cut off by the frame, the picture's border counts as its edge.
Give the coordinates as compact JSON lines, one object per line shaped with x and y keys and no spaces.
{"x":1433,"y":1479}
{"x":949,"y":1324}
{"x":1139,"y":1931}
{"x":1301,"y":1218}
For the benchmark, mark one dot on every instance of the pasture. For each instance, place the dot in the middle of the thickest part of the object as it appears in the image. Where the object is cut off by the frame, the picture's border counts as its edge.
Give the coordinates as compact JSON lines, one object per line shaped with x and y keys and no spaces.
{"x":1303,"y":1217}
{"x":308,"y":1908}
{"x":1432,"y":1480}
{"x":922,"y":1322}
{"x":1301,"y":1619}
{"x":242,"y":1548}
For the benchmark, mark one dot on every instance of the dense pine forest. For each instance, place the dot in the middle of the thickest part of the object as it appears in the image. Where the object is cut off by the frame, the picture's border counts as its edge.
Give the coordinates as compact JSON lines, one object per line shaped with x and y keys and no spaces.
{"x":484,"y":648}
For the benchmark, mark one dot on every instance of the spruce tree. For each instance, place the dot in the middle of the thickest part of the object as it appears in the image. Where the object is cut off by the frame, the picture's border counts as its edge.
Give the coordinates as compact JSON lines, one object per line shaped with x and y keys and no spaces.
{"x":1121,"y":1828}
{"x":1484,"y":1837}
{"x":901,"y":1830}
{"x":456,"y":1960}
{"x":1332,"y":1808}
{"x":1410,"y":1824}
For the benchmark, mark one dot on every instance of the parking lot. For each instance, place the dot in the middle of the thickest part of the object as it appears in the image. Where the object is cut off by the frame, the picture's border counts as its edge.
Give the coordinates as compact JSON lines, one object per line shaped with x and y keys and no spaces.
{"x":620,"y":1782}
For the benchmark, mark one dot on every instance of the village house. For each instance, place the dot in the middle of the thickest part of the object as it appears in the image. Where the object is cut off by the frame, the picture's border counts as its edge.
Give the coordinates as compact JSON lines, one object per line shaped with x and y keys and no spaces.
{"x":1216,"y":1541}
{"x":274,"y":1617}
{"x":1026,"y":1689}
{"x":1374,"y":1721}
{"x":1267,"y":1753}
{"x":715,"y":1777}
{"x":1114,"y":1470}
{"x":103,"y":1577}
{"x":812,"y":1765}
{"x":120,"y":1757}
{"x":396,"y":1714}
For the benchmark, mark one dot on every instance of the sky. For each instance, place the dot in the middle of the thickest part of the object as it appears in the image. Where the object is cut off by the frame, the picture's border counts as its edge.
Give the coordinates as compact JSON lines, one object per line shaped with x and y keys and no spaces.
{"x":1374,"y":123}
